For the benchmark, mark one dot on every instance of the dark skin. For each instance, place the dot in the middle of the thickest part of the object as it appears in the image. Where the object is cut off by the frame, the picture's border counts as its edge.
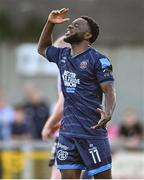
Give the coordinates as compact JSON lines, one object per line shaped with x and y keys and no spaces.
{"x":81,"y":28}
{"x":75,"y":174}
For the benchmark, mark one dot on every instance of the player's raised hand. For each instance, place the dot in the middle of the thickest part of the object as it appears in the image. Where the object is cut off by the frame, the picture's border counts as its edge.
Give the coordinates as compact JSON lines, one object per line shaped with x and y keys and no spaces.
{"x":58,"y":16}
{"x":103,"y":121}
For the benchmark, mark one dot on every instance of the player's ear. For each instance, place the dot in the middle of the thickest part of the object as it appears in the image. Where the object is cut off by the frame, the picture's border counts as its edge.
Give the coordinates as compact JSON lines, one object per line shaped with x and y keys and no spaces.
{"x":87,"y":35}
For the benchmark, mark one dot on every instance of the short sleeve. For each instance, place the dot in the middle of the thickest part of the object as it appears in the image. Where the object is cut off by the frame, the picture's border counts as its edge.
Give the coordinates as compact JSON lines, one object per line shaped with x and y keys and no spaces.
{"x":52,"y":54}
{"x":104,"y":70}
{"x":59,"y":83}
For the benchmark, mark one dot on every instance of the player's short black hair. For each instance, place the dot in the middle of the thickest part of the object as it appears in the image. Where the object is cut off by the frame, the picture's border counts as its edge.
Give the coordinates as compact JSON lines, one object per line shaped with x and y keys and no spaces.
{"x":93,"y":27}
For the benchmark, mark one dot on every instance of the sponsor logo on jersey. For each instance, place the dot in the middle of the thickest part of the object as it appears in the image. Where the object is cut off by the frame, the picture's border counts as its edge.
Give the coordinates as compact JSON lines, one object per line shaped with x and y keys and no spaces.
{"x":63,"y":60}
{"x":70,"y":81}
{"x":62,"y":146}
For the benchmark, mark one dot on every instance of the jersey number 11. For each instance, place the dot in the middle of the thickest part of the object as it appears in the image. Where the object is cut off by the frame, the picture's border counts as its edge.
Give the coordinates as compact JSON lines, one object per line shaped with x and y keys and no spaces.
{"x":95,"y":155}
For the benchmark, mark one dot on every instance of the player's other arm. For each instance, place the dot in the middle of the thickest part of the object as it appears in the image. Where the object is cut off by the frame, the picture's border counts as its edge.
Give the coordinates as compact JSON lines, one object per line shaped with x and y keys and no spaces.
{"x":55,"y":118}
{"x":55,"y":17}
{"x":110,"y":102}
{"x":110,"y":97}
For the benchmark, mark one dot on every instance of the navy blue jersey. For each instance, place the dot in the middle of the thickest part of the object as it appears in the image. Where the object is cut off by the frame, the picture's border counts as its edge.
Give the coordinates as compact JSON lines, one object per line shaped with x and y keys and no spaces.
{"x":81,"y":76}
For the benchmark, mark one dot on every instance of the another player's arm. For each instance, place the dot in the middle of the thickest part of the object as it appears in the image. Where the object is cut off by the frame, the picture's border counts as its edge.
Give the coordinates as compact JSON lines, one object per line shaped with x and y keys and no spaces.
{"x":110,"y":102}
{"x":55,"y":17}
{"x":54,"y":118}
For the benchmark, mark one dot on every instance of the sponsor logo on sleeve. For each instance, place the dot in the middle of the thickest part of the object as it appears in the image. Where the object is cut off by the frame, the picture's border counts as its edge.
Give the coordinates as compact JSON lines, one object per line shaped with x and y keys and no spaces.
{"x":105,"y":63}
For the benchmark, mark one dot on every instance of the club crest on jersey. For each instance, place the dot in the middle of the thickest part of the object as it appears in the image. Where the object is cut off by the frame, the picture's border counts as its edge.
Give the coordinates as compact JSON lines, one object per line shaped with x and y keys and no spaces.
{"x":62,"y":155}
{"x":83,"y":65}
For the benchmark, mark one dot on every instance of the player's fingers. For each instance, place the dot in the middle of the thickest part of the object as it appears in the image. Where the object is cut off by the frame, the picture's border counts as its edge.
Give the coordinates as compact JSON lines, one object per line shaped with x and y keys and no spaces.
{"x":61,"y":11}
{"x":104,"y":123}
{"x":66,"y":19}
{"x":100,"y":111}
{"x":94,"y":127}
{"x":101,"y":124}
{"x":55,"y":12}
{"x":103,"y":113}
{"x":64,"y":10}
{"x":98,"y":126}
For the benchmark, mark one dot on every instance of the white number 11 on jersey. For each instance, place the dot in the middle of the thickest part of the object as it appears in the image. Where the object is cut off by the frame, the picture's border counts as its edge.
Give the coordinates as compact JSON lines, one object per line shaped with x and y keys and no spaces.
{"x":95,"y":155}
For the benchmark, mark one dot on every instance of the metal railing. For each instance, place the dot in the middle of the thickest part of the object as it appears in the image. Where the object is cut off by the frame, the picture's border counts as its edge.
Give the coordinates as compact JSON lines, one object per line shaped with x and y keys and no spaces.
{"x":21,"y":159}
{"x":29,"y":160}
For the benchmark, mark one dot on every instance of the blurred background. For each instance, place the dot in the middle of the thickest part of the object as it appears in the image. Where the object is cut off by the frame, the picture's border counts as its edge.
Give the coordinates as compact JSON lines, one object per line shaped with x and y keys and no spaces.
{"x":28,"y":83}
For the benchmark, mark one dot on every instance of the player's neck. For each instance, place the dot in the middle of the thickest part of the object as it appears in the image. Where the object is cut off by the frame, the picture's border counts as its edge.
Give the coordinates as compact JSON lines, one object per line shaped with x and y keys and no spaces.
{"x":79,"y":48}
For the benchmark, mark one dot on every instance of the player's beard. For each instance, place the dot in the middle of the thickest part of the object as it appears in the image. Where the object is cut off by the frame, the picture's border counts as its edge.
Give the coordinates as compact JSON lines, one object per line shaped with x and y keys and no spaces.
{"x":74,"y":39}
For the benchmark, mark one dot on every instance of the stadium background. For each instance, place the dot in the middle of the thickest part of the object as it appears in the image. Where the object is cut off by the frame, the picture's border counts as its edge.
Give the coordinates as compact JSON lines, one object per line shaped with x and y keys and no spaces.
{"x":121,"y":39}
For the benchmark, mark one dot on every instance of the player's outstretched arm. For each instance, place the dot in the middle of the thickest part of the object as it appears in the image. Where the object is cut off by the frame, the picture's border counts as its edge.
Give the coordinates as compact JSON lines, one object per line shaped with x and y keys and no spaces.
{"x":110,"y":102}
{"x":55,"y":17}
{"x":54,"y":118}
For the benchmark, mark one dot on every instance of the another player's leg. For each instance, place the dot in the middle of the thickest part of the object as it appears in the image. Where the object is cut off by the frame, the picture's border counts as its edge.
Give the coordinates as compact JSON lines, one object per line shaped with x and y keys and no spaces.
{"x":70,"y":173}
{"x":55,"y":173}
